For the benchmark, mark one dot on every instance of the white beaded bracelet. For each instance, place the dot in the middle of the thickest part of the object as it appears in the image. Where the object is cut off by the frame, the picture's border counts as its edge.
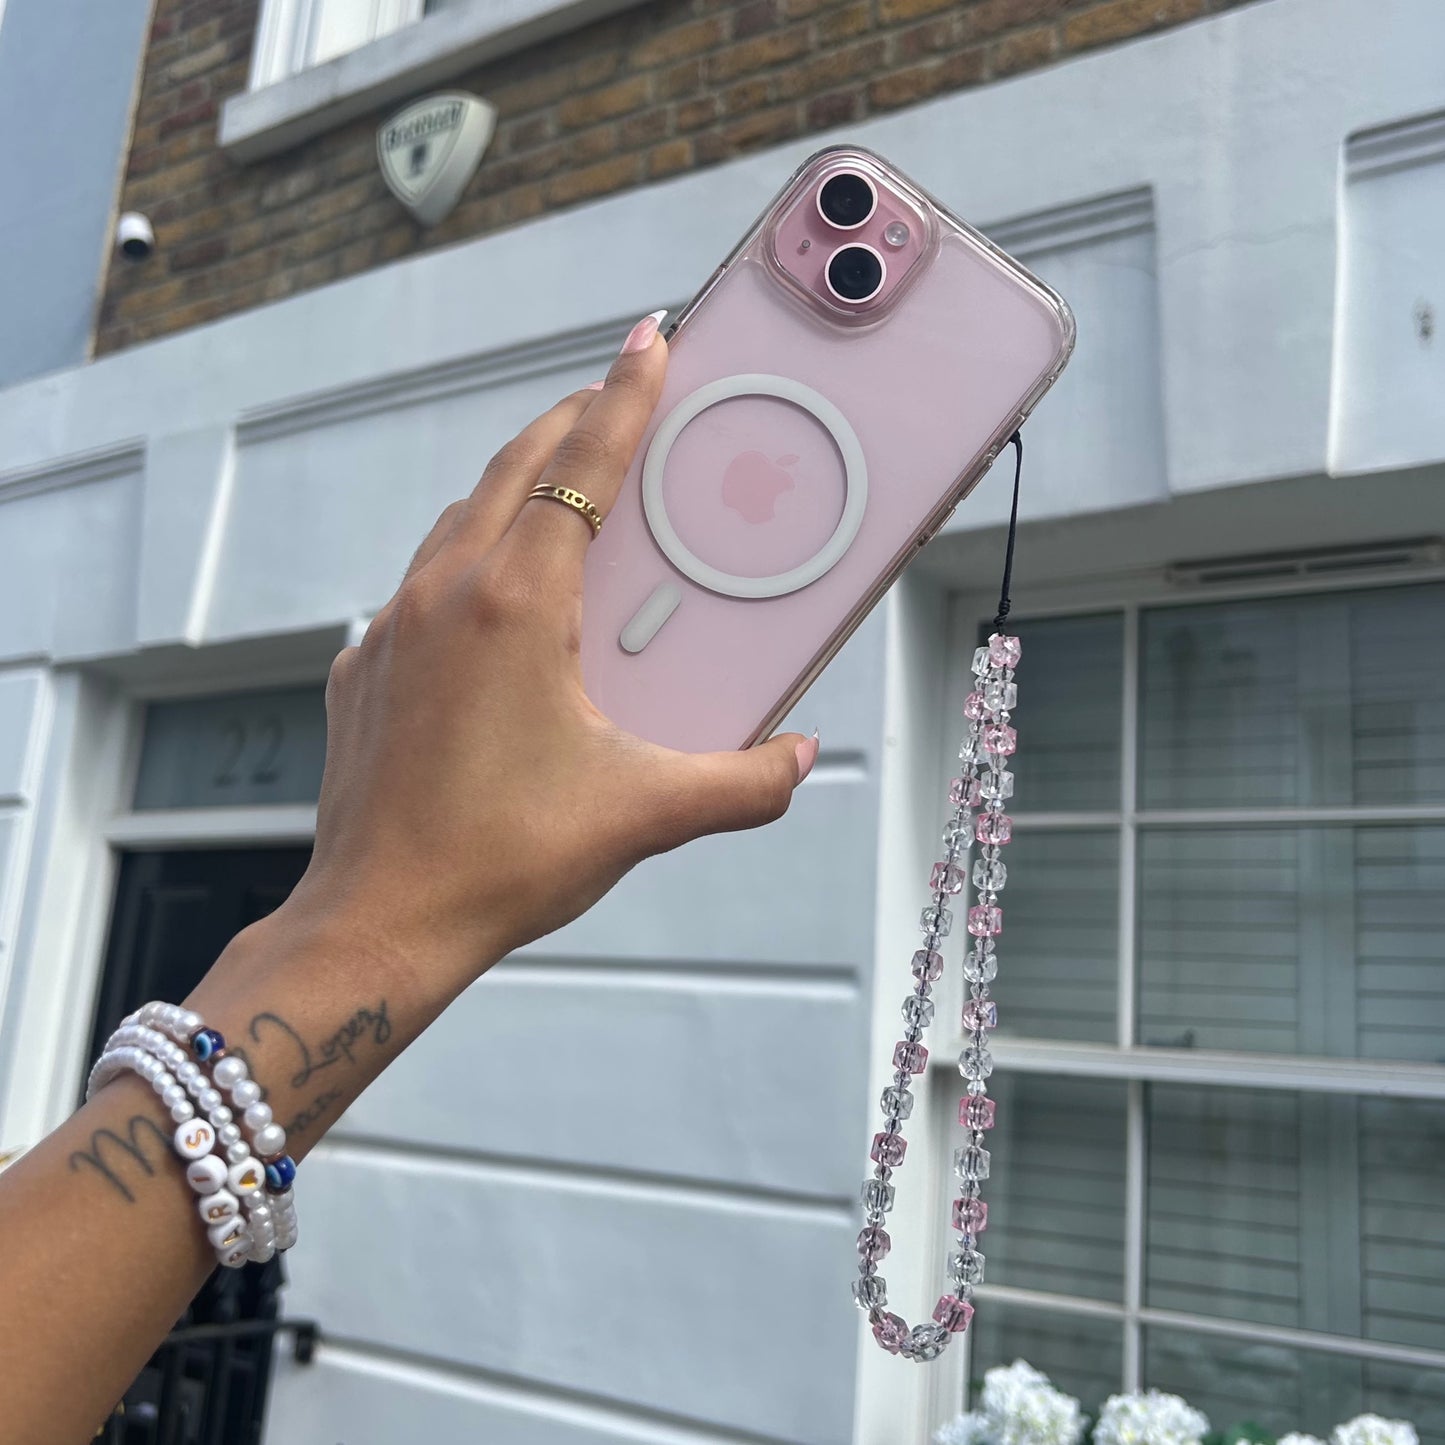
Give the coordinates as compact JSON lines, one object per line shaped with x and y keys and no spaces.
{"x":193,"y":1141}
{"x":274,"y":1216}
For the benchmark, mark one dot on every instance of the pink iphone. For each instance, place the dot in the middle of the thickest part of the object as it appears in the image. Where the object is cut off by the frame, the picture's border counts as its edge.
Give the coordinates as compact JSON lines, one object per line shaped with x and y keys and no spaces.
{"x":839,"y":385}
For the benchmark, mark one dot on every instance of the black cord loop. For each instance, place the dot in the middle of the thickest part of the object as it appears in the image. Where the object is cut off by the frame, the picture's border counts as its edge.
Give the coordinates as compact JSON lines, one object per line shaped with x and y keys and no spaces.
{"x":1004,"y":604}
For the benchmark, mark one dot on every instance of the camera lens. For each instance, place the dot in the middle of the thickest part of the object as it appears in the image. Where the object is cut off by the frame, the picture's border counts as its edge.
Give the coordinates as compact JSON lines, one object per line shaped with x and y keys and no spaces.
{"x":855,"y":273}
{"x":846,"y":200}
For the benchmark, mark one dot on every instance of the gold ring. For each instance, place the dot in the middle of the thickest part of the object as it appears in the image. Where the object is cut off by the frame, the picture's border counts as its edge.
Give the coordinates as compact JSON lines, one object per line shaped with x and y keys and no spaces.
{"x":581,"y":505}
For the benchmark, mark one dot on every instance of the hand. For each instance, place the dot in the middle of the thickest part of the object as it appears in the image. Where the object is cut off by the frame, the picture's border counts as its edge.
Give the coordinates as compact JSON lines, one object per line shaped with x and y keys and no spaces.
{"x":474,"y":799}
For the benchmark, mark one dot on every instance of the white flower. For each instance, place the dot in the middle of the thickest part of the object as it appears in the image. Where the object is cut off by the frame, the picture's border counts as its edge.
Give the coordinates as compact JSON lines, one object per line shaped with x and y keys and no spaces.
{"x":1372,"y":1430}
{"x":1298,"y":1439}
{"x":1017,"y":1406}
{"x":1150,"y":1419}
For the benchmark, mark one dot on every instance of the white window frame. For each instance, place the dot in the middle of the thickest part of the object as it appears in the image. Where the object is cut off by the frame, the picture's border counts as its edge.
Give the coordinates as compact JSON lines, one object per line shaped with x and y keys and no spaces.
{"x":1137,"y":1065}
{"x":287,"y":31}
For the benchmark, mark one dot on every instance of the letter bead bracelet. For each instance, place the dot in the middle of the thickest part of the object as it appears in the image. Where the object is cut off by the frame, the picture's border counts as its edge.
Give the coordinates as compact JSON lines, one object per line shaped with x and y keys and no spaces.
{"x":239,"y":1171}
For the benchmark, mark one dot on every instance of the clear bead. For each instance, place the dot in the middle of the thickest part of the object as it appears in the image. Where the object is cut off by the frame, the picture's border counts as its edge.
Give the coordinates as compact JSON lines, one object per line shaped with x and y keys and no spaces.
{"x":979,"y":1015}
{"x":1000,"y":739}
{"x":917,"y":1012}
{"x":876,"y":1196}
{"x":935,"y":920}
{"x":975,"y":1062}
{"x":977,"y":1088}
{"x":927,"y":965}
{"x":870,"y":1292}
{"x":995,"y":784}
{"x":968,"y":749}
{"x":946,"y":878}
{"x":973,"y":706}
{"x":989,"y":874}
{"x":910,"y":1056}
{"x":874,"y":1242}
{"x":1003,"y":650}
{"x":926,"y":1342}
{"x":957,"y":836}
{"x":976,"y":1112}
{"x":888,"y":1149}
{"x":966,"y":1267}
{"x":980,"y":963}
{"x":896,"y":1102}
{"x":971,"y":1162}
{"x":999,"y":696}
{"x":992,"y":828}
{"x":985,"y":920}
{"x":981,"y":662}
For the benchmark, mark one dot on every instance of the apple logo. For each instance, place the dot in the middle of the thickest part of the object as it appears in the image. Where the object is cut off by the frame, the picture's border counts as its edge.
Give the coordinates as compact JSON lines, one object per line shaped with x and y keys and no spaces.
{"x":752,"y":484}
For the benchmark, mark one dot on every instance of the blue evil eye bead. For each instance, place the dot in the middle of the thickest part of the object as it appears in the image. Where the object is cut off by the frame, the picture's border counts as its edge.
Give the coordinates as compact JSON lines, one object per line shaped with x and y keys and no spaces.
{"x":206,"y":1044}
{"x":279,"y":1173}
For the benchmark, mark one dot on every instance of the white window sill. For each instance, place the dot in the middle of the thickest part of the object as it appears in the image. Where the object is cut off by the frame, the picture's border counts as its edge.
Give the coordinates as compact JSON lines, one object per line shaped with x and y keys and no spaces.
{"x":397,"y":66}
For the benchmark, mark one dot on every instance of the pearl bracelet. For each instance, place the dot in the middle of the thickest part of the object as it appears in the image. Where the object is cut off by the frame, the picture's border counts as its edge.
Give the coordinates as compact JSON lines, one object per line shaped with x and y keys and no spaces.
{"x":228,"y":1072}
{"x":193,"y":1140}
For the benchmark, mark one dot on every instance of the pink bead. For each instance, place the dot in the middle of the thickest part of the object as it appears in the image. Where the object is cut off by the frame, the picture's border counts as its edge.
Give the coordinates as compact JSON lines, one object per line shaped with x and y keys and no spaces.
{"x":888,"y":1149}
{"x":973,"y":706}
{"x":993,"y":827}
{"x":1004,"y":651}
{"x":927,"y":964}
{"x":910,"y":1056}
{"x":874,"y":1242}
{"x":970,"y":1216}
{"x":953,"y":1313}
{"x":947,"y":878}
{"x":985,"y":920}
{"x":963,"y":792}
{"x":891,"y":1332}
{"x":980,"y":1014}
{"x":976,"y":1112}
{"x":1000,"y":739}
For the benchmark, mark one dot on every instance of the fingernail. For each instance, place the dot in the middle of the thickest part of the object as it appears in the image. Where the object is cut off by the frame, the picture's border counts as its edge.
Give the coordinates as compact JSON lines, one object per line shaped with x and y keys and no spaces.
{"x":640,"y":337}
{"x":594,"y":386}
{"x":807,"y":756}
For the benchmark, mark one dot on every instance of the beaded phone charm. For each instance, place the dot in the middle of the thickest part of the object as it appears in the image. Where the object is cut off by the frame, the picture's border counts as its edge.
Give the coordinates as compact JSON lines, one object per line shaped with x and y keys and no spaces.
{"x":984,"y":784}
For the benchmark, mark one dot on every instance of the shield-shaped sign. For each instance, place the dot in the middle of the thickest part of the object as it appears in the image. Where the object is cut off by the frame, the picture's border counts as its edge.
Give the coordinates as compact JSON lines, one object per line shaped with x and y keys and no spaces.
{"x":430,"y":150}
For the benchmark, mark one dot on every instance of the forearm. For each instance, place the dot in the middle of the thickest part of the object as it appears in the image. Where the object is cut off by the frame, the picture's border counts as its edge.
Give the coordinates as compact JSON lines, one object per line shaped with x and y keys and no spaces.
{"x":113,"y":1249}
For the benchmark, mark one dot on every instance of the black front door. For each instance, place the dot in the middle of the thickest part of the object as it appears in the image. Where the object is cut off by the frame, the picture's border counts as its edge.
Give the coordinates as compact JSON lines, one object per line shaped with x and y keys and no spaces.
{"x":174,"y":913}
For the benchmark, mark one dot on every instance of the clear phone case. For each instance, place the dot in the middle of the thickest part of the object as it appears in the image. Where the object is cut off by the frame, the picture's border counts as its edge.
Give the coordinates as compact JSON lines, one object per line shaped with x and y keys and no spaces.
{"x":800,"y":455}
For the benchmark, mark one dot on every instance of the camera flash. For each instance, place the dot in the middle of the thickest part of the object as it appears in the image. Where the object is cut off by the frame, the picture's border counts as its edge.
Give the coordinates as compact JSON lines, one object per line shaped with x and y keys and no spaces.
{"x":805,"y":245}
{"x":896,"y":234}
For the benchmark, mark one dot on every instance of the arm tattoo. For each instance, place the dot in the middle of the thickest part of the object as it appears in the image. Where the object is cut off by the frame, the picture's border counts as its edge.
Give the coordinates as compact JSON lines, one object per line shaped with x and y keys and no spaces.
{"x":130,"y":1145}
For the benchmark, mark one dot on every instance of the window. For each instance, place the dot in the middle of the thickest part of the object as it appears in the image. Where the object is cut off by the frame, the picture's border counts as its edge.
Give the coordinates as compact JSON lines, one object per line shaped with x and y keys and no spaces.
{"x":294,"y":35}
{"x":1222,"y":1011}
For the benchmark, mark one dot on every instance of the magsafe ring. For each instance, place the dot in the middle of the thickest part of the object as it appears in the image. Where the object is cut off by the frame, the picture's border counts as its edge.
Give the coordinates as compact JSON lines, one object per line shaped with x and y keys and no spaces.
{"x":855,"y":471}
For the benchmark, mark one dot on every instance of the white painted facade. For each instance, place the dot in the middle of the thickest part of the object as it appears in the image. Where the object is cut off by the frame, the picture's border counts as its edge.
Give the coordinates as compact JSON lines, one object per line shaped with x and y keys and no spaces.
{"x":610,"y":1196}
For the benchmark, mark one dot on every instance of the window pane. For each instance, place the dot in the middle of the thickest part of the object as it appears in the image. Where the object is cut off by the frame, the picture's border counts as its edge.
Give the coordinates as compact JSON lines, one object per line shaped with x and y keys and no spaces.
{"x":1223,"y":1213}
{"x":1318,"y":941}
{"x":1056,"y":1186}
{"x":1084,"y":1357}
{"x":1293,"y":701}
{"x":1071,"y":683}
{"x":1059,"y":956}
{"x":1237,"y":1382}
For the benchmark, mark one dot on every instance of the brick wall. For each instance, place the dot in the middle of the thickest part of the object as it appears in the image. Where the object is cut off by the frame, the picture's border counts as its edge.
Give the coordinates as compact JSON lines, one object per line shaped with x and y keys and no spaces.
{"x":662,"y":88}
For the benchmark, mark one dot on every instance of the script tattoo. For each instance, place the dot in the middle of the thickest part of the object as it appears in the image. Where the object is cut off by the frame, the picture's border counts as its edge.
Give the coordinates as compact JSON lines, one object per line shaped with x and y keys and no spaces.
{"x":312,"y":1112}
{"x":130,"y":1145}
{"x":340,"y":1045}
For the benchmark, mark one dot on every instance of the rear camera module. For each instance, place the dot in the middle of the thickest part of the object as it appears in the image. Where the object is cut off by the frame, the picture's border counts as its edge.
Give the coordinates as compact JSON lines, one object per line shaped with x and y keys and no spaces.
{"x":855,"y":273}
{"x":846,"y":200}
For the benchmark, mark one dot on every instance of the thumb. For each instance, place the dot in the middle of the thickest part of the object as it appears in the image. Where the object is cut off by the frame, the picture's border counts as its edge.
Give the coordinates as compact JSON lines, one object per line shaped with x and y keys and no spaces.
{"x":729,"y":791}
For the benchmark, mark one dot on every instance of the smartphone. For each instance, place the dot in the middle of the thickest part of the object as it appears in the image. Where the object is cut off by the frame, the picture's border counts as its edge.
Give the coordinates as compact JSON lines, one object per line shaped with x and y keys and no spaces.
{"x":838,"y":386}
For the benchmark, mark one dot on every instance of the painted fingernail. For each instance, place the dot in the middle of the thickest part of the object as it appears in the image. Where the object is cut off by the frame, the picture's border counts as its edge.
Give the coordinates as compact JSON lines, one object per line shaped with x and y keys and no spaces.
{"x":807,"y":756}
{"x":594,"y":386}
{"x":640,"y":337}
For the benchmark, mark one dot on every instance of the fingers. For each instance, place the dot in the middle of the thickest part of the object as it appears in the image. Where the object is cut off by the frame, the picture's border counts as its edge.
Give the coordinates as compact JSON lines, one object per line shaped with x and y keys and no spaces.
{"x":725,"y":792}
{"x":593,"y":457}
{"x":497,"y":498}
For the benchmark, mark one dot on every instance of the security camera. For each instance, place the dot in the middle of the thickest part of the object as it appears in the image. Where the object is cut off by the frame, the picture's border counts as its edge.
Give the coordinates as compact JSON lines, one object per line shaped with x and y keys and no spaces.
{"x":134,"y":236}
